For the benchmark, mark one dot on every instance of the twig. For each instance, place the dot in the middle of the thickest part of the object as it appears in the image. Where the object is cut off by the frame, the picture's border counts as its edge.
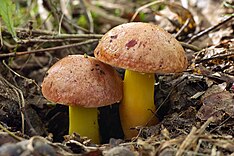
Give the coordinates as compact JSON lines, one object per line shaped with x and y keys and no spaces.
{"x":20,"y":98}
{"x":187,"y":141}
{"x":200,"y":34}
{"x":86,"y":148}
{"x":198,"y":145}
{"x":38,"y":40}
{"x":50,"y":6}
{"x":210,"y":74}
{"x":37,"y":32}
{"x":220,"y":125}
{"x":143,"y":7}
{"x":88,"y":15}
{"x":31,"y":128}
{"x":64,"y":5}
{"x":215,"y":57}
{"x":183,"y":27}
{"x":192,"y":137}
{"x":10,"y":133}
{"x":75,"y":25}
{"x":23,"y":110}
{"x":109,"y":18}
{"x":62,"y":36}
{"x":34,"y":31}
{"x":60,"y":24}
{"x":190,"y":46}
{"x":163,"y":102}
{"x":140,"y":128}
{"x":9,"y":45}
{"x":17,"y":74}
{"x":47,"y":49}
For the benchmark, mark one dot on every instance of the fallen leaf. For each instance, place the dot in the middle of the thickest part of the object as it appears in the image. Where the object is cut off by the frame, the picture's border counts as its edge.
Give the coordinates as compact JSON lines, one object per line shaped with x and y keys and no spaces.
{"x":217,"y":105}
{"x":183,"y":15}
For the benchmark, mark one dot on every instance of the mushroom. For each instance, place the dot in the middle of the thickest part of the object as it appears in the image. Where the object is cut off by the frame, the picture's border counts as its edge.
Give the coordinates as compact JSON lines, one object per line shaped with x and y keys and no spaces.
{"x":82,"y":83}
{"x":142,"y":49}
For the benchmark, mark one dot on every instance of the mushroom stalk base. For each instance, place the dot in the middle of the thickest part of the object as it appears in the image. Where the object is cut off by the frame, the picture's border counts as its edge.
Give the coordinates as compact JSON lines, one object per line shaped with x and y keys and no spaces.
{"x":137,"y":107}
{"x":84,"y":121}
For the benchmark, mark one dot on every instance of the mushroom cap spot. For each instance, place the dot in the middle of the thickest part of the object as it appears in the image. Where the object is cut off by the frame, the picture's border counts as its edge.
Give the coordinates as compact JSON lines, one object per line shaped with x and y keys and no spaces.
{"x":79,"y":81}
{"x":141,"y":47}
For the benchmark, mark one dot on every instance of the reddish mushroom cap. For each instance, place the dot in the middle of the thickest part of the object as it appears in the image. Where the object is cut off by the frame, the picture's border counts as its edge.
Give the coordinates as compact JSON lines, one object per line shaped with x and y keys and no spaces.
{"x":82,"y":81}
{"x":141,"y":47}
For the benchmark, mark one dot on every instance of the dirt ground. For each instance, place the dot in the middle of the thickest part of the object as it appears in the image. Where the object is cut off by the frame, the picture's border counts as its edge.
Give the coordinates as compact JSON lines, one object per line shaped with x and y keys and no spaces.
{"x":195,"y":108}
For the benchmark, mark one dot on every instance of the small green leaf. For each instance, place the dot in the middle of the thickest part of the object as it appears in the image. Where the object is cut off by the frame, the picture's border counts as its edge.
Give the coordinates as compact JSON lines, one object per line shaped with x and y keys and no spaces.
{"x":6,"y":10}
{"x":82,"y":21}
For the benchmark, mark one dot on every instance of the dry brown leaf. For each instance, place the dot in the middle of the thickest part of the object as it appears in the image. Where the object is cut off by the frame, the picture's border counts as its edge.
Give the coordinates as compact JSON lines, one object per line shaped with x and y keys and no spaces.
{"x":183,"y":15}
{"x":217,"y":105}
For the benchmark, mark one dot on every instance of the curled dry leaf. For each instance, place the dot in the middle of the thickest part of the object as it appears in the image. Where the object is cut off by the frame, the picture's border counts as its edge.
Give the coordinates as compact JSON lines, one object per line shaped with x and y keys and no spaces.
{"x":217,"y":105}
{"x":183,"y":15}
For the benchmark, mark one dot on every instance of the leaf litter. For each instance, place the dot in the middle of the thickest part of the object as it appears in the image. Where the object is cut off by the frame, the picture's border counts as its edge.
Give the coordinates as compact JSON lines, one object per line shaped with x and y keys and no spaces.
{"x":196,"y":108}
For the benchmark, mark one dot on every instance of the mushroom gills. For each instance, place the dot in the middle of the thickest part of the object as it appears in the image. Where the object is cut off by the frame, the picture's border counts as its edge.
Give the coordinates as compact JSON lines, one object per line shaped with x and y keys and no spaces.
{"x":137,"y":107}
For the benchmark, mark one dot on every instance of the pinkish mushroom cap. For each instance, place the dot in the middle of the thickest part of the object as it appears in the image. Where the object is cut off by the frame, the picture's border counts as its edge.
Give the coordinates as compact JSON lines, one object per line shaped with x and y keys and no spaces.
{"x":141,"y":47}
{"x":82,"y":81}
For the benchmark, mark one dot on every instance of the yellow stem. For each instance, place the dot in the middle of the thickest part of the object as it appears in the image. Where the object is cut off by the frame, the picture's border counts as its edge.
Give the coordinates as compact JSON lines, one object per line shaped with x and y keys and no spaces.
{"x":84,"y":121}
{"x":137,"y":106}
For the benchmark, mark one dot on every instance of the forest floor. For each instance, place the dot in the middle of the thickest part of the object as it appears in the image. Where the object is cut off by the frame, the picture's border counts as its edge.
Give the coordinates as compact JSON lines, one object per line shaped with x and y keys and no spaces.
{"x":195,"y":108}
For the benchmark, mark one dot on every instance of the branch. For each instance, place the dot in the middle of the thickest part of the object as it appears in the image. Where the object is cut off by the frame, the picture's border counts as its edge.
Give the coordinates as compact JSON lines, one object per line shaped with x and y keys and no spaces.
{"x":206,"y":31}
{"x":15,"y":54}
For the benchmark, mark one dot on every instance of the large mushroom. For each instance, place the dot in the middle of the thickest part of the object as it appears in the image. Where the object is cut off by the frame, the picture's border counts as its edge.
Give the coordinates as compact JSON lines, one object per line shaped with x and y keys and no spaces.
{"x":82,"y":83}
{"x":142,"y":49}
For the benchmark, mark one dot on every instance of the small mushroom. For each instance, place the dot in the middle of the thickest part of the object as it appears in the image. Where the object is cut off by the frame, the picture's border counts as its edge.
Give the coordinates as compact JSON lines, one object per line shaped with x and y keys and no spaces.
{"x":82,"y":83}
{"x":142,"y":49}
